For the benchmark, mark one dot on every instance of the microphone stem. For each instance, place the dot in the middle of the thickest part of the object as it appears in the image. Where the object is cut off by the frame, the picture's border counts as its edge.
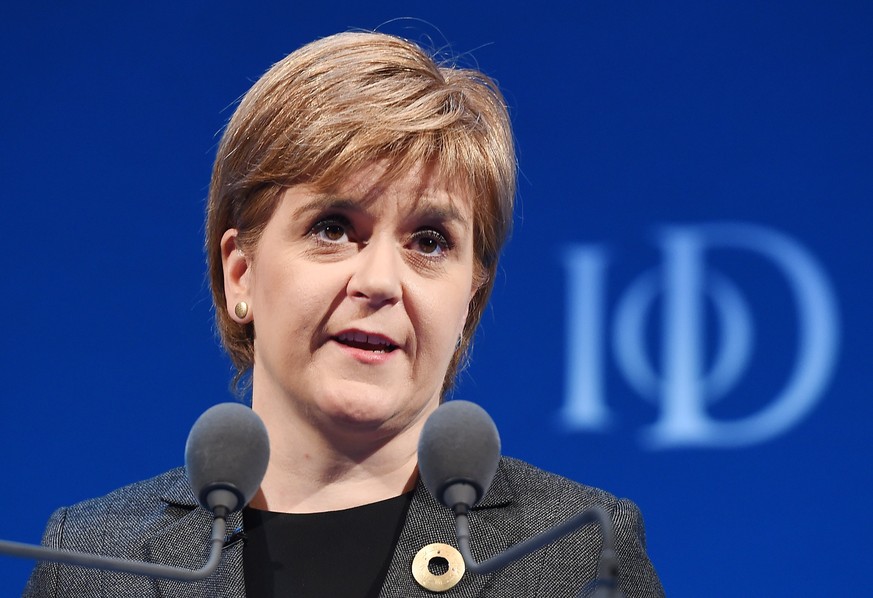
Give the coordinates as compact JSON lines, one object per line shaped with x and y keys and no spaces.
{"x":589,"y":515}
{"x":93,"y":561}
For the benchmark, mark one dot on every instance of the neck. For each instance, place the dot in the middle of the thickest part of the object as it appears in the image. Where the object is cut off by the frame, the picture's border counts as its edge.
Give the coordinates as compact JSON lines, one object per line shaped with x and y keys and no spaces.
{"x":313,"y":470}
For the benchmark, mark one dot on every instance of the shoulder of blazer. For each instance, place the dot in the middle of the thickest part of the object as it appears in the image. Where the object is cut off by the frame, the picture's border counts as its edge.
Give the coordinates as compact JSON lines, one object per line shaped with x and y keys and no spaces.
{"x":127,"y":512}
{"x":155,"y":520}
{"x":544,"y":499}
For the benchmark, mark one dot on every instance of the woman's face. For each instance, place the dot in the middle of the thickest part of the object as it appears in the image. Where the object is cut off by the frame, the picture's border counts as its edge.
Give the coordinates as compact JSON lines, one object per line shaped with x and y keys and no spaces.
{"x":358,"y":299}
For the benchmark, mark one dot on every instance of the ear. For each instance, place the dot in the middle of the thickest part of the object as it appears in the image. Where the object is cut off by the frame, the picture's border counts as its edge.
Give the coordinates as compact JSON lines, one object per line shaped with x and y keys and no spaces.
{"x":480,"y":278}
{"x":474,"y":288}
{"x":237,"y":276}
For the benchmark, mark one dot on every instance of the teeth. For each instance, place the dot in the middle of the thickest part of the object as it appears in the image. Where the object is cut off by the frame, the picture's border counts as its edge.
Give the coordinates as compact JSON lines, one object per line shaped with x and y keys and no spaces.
{"x":364,"y":339}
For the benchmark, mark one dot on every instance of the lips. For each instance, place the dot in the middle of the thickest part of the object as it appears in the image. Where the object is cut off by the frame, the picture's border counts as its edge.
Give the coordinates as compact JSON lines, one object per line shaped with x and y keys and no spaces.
{"x":365,"y":341}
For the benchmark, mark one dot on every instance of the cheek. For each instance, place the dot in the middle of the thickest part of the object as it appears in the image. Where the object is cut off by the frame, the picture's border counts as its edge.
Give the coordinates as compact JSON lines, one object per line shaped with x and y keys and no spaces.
{"x":279,"y":281}
{"x":446,"y":314}
{"x":286,"y":299}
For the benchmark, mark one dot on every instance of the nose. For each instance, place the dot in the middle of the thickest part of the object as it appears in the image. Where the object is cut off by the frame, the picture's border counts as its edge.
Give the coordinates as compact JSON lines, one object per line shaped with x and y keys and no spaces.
{"x":377,"y":274}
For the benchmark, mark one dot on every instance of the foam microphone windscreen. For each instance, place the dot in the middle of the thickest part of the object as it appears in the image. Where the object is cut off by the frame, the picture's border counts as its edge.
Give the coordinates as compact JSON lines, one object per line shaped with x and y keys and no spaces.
{"x":459,"y":443}
{"x":227,"y":449}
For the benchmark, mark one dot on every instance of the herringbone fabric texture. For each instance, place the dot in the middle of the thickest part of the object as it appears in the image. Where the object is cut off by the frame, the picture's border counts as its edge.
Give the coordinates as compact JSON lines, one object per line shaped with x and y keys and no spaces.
{"x":159,"y":521}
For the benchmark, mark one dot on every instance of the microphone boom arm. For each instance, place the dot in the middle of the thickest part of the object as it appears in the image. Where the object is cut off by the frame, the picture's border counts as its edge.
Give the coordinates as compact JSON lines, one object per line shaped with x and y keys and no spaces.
{"x":592,"y":514}
{"x":109,"y":563}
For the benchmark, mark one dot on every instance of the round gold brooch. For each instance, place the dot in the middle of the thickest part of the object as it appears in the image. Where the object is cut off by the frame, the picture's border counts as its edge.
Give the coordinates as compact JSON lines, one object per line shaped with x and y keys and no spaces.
{"x":438,"y":567}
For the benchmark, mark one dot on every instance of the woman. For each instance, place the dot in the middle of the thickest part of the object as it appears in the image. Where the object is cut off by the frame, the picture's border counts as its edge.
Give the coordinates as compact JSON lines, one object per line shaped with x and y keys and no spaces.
{"x":360,"y":198}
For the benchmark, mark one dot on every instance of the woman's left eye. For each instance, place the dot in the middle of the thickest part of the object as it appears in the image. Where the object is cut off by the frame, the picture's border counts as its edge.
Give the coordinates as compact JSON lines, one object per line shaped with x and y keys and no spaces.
{"x":430,"y":242}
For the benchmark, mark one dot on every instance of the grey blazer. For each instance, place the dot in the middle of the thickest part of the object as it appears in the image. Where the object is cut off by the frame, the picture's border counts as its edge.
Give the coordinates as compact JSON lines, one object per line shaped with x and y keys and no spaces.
{"x":158,"y":520}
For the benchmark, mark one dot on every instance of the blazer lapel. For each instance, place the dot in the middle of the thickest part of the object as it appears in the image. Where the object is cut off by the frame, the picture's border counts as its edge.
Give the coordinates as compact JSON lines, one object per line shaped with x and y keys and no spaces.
{"x":185,"y":543}
{"x":428,"y":522}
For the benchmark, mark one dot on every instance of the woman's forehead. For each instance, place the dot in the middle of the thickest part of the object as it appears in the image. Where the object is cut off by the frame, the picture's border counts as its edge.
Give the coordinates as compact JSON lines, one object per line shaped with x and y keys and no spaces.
{"x":421,"y":187}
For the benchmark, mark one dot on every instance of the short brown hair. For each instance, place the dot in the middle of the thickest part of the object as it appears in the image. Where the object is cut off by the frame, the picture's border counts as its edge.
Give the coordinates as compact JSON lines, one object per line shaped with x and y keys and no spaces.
{"x":338,"y":104}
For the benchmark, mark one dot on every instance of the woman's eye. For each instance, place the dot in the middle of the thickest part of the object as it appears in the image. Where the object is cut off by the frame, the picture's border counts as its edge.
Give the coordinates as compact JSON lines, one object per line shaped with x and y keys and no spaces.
{"x":330,"y":231}
{"x":430,"y":242}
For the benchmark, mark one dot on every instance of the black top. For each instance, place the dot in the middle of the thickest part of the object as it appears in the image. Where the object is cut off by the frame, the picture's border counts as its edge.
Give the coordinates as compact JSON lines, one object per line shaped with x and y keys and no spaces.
{"x":337,"y":553}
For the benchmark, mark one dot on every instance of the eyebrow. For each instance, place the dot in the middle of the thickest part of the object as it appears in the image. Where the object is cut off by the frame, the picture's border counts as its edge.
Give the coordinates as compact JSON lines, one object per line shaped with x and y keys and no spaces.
{"x":443,"y":213}
{"x":424,"y":208}
{"x":323,"y":202}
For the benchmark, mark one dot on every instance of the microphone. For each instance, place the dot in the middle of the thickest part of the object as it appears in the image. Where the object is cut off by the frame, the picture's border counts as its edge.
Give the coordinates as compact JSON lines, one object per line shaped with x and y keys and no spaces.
{"x":226,"y":456}
{"x":458,"y":452}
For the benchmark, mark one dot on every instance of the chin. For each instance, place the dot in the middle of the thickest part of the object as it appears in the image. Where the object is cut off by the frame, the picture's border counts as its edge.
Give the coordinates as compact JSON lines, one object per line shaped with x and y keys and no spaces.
{"x":373,"y":411}
{"x":358,"y":410}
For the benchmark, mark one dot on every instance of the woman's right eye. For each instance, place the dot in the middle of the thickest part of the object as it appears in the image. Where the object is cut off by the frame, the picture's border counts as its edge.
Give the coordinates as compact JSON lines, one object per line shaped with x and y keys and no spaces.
{"x":331,"y":230}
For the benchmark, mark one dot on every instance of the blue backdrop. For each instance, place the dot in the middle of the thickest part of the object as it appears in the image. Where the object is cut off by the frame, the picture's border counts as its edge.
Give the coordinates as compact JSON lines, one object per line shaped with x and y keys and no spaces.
{"x":681,"y":316}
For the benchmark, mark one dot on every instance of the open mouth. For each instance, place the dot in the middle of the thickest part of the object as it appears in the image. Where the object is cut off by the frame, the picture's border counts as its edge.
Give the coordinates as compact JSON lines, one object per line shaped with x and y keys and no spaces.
{"x":366,"y":342}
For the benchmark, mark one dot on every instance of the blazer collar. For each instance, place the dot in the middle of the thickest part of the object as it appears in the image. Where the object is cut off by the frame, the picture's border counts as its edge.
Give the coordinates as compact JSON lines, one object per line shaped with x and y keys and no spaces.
{"x":179,"y":492}
{"x":500,"y":493}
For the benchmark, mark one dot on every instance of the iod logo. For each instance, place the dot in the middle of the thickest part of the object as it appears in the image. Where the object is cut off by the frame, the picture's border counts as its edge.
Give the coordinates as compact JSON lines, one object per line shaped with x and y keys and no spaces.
{"x":684,"y":382}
